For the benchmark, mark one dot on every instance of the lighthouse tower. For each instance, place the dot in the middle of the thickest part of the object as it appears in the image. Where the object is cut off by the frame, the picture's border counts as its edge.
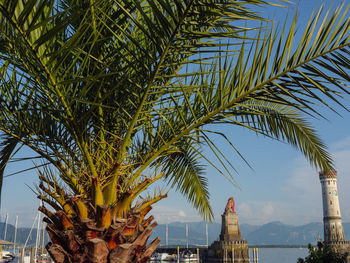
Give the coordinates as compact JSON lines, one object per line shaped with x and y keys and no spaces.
{"x":332,"y":222}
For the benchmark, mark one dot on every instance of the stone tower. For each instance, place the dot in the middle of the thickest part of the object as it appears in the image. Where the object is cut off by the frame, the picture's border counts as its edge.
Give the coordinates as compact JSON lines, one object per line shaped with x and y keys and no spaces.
{"x":332,"y":222}
{"x":230,"y":243}
{"x":229,"y":226}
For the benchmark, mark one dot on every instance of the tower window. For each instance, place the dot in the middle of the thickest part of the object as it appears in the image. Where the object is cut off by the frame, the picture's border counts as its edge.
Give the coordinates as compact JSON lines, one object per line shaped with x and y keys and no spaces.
{"x":328,"y":182}
{"x":331,"y":202}
{"x":337,"y":212}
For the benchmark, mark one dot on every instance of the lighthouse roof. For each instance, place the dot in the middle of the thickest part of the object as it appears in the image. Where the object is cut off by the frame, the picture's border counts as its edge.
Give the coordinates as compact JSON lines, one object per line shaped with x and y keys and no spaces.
{"x":329,"y":174}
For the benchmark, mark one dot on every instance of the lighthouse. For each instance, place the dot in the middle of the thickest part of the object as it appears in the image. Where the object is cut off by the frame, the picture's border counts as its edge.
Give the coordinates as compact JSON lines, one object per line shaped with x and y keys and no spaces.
{"x":332,"y":222}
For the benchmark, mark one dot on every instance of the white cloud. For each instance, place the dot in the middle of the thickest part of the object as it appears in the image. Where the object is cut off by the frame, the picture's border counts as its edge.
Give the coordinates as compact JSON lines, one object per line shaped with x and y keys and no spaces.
{"x":262,"y":212}
{"x":300,"y":197}
{"x":303,"y":183}
{"x":245,"y":209}
{"x":268,"y":209}
{"x":182,"y":214}
{"x":288,"y":213}
{"x":303,"y":186}
{"x":166,"y":214}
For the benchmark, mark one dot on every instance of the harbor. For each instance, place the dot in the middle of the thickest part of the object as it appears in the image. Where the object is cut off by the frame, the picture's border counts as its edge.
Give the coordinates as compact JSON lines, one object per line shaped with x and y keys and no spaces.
{"x":120,"y":115}
{"x":229,"y":247}
{"x":264,"y":254}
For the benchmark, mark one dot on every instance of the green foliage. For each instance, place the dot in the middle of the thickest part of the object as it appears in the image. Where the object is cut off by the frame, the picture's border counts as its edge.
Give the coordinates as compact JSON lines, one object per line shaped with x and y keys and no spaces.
{"x":323,"y":255}
{"x":120,"y":94}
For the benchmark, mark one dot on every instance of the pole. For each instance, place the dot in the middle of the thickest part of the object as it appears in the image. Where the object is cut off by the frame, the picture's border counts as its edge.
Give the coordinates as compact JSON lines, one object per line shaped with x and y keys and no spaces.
{"x":206,"y":232}
{"x":32,"y":255}
{"x":166,"y":235}
{"x":197,"y":254}
{"x":257,"y":255}
{"x":178,"y":254}
{"x":22,"y":256}
{"x":25,"y":244}
{"x":43,"y":239}
{"x":37,"y":237}
{"x":14,"y":240}
{"x":187,"y":236}
{"x":7,"y":217}
{"x":233,"y":255}
{"x":253,"y":254}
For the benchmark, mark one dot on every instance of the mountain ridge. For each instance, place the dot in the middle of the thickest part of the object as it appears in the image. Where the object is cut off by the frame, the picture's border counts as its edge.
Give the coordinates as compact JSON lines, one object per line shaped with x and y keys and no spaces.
{"x":271,"y":233}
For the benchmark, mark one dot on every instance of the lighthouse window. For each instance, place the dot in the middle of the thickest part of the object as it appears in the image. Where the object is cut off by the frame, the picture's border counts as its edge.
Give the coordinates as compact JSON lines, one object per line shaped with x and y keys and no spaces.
{"x":337,"y":212}
{"x":331,"y":202}
{"x":328,"y":182}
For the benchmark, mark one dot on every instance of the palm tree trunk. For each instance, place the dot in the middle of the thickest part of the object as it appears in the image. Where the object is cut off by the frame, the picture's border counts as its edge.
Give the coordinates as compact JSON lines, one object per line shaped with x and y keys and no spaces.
{"x":124,"y":241}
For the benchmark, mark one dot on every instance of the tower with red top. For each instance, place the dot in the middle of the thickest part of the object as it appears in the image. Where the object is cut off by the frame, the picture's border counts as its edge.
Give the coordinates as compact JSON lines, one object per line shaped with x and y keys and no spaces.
{"x":230,"y":247}
{"x":332,"y":222}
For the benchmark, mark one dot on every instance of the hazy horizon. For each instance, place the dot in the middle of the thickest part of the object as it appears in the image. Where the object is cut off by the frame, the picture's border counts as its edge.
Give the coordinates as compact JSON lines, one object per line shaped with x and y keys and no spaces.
{"x":282,"y":187}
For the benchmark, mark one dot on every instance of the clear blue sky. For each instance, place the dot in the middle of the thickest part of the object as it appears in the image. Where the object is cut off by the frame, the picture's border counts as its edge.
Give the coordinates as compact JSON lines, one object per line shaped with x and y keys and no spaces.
{"x":281,"y":187}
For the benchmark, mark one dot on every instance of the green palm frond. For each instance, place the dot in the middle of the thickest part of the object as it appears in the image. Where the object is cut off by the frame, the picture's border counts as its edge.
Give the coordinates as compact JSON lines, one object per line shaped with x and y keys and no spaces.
{"x":108,"y":90}
{"x":7,"y":149}
{"x":268,"y":73}
{"x":286,"y":124}
{"x":185,"y":173}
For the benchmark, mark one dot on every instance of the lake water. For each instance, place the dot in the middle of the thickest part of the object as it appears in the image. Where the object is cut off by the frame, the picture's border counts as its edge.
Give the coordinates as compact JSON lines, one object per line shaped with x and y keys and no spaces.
{"x":280,"y":255}
{"x":277,"y":255}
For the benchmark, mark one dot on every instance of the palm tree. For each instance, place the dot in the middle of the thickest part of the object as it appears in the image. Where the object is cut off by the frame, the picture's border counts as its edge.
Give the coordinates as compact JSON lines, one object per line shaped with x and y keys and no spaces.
{"x":114,"y":96}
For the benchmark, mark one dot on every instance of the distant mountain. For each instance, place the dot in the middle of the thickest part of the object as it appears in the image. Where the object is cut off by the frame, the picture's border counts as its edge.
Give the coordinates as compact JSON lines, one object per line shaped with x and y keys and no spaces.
{"x":274,"y":233}
{"x":247,"y":229}
{"x":22,"y":234}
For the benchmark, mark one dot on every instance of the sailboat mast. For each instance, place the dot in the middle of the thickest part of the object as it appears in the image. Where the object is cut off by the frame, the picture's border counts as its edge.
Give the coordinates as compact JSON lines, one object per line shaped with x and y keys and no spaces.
{"x":7,"y":217}
{"x":14,"y":240}
{"x":37,"y":237}
{"x":187,"y":235}
{"x":25,"y":244}
{"x":166,"y":235}
{"x":206,"y":233}
{"x":43,"y":243}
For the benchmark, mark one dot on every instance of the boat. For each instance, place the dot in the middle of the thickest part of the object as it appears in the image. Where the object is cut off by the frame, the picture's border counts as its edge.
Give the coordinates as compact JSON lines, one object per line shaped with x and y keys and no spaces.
{"x":189,"y":257}
{"x":166,"y":257}
{"x":153,"y":257}
{"x":161,"y":257}
{"x":6,"y":256}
